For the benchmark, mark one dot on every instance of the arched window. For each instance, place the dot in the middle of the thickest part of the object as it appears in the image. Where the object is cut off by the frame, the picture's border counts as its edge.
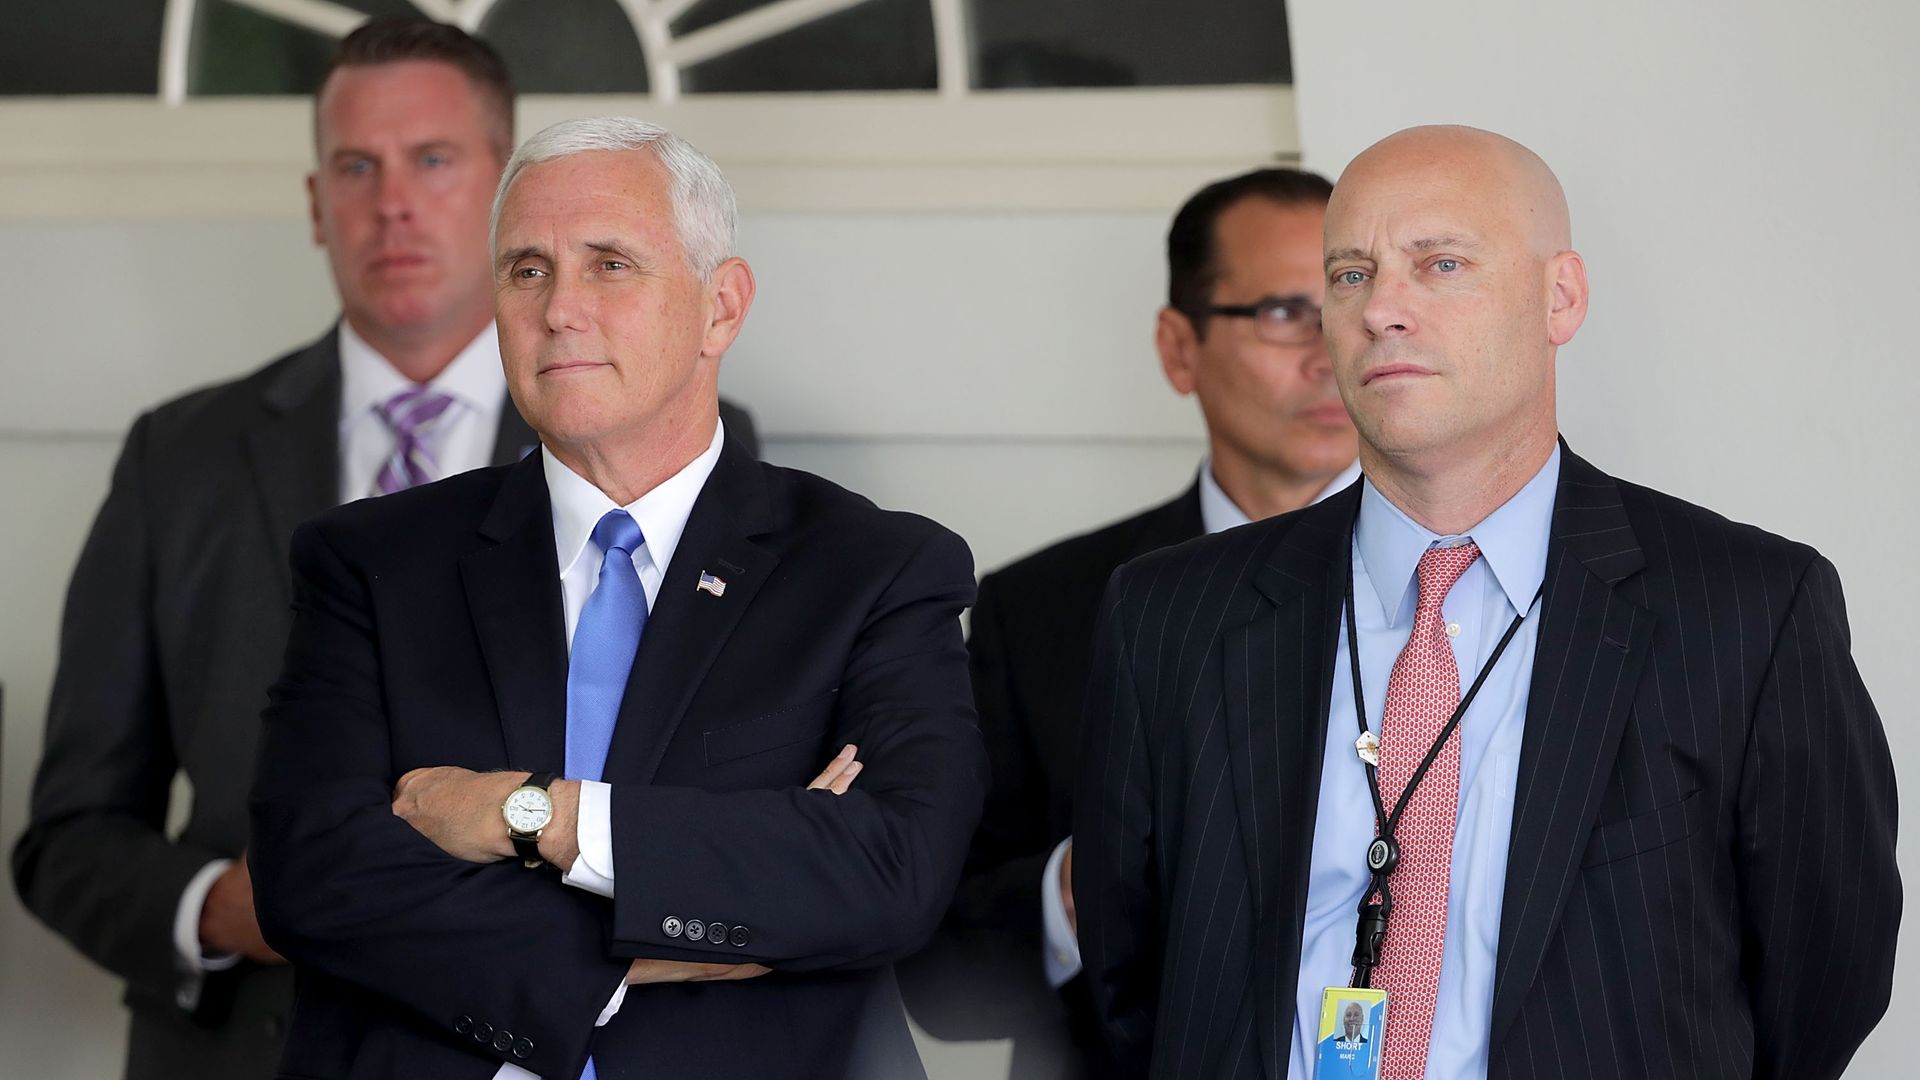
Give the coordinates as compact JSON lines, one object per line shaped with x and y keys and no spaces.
{"x":808,"y":103}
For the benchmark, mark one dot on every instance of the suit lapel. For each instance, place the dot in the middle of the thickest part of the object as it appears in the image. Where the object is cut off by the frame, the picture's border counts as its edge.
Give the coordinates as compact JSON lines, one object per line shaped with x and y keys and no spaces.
{"x":294,"y":456}
{"x":687,"y":626}
{"x":1278,"y":669}
{"x":1592,"y":643}
{"x":513,"y":594}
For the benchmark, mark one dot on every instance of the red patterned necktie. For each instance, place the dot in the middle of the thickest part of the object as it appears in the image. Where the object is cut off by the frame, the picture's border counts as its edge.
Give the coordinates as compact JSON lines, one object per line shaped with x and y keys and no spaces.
{"x":1421,"y":696}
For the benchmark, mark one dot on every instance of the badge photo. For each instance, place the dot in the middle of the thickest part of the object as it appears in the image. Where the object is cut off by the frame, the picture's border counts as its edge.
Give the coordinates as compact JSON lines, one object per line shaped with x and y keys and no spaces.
{"x":1353,"y":1030}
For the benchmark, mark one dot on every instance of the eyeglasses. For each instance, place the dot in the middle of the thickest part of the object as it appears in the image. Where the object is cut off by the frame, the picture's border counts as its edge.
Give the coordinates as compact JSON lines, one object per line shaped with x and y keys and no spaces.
{"x":1277,"y":320}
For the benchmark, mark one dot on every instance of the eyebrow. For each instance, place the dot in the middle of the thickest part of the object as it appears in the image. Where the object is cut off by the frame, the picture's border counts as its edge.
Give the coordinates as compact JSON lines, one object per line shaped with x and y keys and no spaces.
{"x":1425,"y":243}
{"x":442,"y":145}
{"x":508,"y":258}
{"x":1432,"y":243}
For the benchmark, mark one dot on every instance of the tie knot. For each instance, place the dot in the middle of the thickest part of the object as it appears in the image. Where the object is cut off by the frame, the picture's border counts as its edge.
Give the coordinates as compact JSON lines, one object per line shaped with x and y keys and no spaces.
{"x":411,"y":412}
{"x":617,"y":531}
{"x":1440,"y":568}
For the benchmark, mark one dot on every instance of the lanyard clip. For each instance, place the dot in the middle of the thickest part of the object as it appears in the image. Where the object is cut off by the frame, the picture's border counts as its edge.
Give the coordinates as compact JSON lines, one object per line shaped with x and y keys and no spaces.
{"x":1368,"y":937}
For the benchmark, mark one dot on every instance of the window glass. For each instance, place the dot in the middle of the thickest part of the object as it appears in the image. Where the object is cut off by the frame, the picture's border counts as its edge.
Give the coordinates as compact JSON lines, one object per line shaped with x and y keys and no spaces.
{"x":878,"y":45}
{"x":41,"y":42}
{"x":237,"y":50}
{"x":567,"y":46}
{"x":1039,"y":43}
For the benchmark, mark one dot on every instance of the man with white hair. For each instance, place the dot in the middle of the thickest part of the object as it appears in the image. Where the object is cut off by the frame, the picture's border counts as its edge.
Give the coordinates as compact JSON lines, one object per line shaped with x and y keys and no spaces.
{"x":178,"y":608}
{"x":533,"y":794}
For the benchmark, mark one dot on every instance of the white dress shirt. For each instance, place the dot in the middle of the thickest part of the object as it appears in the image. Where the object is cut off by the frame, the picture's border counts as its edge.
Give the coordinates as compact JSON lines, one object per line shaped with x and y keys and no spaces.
{"x":662,"y":516}
{"x":462,"y":437}
{"x":463,"y":440}
{"x":1218,"y":513}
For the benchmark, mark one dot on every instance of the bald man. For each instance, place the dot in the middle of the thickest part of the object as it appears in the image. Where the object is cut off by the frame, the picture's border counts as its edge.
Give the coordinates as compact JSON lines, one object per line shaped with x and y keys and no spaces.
{"x":1538,"y":753}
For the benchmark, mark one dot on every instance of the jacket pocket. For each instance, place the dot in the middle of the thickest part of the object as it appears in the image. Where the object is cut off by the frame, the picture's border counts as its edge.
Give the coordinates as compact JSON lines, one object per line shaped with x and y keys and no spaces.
{"x":770,"y":731}
{"x":1646,"y":832}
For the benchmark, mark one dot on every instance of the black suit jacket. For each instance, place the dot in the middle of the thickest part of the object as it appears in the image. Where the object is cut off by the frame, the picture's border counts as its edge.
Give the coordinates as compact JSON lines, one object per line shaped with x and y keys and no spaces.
{"x":428,"y":631}
{"x":1704,"y":822}
{"x":175,"y":624}
{"x":1030,"y":653}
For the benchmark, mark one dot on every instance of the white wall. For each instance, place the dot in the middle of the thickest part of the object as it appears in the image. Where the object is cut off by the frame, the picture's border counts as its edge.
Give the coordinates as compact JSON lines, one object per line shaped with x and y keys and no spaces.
{"x":1739,"y":177}
{"x":1742,"y":184}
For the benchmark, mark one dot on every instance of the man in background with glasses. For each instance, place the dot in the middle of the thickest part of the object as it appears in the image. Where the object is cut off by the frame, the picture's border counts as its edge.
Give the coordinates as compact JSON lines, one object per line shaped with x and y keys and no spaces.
{"x":1240,"y":332}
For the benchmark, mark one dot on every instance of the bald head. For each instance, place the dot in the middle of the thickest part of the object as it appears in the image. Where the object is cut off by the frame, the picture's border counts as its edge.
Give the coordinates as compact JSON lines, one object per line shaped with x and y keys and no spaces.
{"x":1491,"y":173}
{"x":1451,"y":284}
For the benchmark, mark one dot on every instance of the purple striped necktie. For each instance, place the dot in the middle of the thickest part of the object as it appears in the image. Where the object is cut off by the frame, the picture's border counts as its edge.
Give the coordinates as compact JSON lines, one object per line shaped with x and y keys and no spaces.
{"x":412,"y":414}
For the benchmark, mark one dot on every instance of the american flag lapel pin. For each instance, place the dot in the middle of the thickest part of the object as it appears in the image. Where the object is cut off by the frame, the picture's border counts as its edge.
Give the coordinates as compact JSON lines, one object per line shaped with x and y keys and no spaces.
{"x":710,"y":584}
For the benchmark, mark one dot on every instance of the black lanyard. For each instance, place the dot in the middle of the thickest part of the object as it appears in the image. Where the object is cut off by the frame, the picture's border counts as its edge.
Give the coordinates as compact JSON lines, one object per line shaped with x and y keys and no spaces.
{"x":1383,"y":854}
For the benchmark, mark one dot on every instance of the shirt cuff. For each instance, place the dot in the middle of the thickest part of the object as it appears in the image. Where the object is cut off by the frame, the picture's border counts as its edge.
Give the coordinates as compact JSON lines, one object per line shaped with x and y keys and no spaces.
{"x":613,"y":1005}
{"x":1062,"y":948}
{"x":593,"y":870}
{"x":515,"y":1072}
{"x":191,"y":958}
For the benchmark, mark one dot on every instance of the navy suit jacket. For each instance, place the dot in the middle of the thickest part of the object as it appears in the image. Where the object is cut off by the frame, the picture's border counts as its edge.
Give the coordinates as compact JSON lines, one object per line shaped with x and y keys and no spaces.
{"x":428,"y":631}
{"x":1703,"y":828}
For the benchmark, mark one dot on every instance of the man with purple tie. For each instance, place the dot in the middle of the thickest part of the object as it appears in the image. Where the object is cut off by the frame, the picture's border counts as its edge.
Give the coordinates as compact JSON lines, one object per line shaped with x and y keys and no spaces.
{"x":178,"y":610}
{"x":534,"y":794}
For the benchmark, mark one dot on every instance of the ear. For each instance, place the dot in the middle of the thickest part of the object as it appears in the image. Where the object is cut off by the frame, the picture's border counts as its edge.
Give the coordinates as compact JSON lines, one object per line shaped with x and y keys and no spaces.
{"x":1566,"y":296}
{"x":729,"y":295}
{"x":313,"y":208}
{"x":1179,"y":347}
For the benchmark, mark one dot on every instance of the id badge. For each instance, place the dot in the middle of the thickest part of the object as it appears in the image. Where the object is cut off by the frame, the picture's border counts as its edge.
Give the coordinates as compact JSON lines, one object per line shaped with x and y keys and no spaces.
{"x":1353,"y":1033}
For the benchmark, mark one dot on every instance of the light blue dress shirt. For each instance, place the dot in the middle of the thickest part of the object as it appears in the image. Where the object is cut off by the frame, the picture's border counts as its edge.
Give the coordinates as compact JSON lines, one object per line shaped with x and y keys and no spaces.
{"x":1501,"y":583}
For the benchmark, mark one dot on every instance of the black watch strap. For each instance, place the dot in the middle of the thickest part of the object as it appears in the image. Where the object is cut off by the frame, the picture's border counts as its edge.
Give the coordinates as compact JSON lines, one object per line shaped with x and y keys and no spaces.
{"x":527,"y":845}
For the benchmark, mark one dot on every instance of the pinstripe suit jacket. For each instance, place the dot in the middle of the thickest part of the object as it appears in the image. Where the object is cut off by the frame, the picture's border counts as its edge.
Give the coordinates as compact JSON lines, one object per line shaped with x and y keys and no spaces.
{"x":1701,"y":881}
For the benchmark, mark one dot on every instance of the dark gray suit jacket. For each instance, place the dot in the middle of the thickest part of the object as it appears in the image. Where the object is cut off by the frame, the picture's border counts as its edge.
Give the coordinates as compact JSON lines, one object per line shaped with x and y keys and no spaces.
{"x":1704,"y":820}
{"x":1029,"y":655}
{"x":176,"y":622}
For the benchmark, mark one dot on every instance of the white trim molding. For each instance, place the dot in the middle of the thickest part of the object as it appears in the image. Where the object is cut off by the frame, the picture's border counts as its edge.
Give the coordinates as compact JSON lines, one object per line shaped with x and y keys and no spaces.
{"x":1133,"y":149}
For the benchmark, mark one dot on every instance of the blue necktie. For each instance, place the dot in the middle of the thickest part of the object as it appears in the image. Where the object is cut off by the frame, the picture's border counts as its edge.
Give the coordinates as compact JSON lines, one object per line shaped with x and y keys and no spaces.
{"x":604,"y":643}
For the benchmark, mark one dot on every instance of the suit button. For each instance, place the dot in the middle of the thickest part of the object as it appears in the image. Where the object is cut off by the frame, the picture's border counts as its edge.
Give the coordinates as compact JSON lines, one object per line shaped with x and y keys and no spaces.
{"x":523,"y":1048}
{"x":717,"y":933}
{"x":696,"y":930}
{"x":502,"y":1041}
{"x":482,"y":1032}
{"x":670,"y":926}
{"x":462,"y":1024}
{"x":740,"y":936}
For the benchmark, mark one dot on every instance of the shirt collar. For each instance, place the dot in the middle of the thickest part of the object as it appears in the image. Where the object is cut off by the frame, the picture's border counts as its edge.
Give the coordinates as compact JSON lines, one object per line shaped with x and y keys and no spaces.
{"x":1219,"y":513}
{"x":661,"y":513}
{"x":474,"y":379}
{"x":1512,"y":539}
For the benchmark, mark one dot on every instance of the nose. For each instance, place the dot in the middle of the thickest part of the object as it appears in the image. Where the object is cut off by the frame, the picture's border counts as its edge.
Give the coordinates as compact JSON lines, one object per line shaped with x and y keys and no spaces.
{"x":1315,"y":364}
{"x":566,"y":307}
{"x":395,"y":196}
{"x":1388,"y":311}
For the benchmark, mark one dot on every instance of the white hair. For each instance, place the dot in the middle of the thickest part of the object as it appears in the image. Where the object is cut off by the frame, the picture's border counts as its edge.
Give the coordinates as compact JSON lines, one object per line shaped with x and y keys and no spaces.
{"x":703,"y":207}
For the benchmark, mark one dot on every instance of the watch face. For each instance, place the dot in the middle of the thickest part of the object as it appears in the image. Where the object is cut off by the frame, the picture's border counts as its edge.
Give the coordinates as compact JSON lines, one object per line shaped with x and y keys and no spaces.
{"x":528,"y":810}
